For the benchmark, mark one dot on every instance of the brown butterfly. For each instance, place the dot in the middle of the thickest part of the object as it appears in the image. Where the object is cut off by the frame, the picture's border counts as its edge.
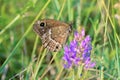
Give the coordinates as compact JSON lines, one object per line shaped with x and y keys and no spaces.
{"x":53,"y":33}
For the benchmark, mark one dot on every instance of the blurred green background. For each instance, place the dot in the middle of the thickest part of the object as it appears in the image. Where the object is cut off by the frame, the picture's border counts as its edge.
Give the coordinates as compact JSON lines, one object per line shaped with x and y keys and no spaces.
{"x":19,"y":44}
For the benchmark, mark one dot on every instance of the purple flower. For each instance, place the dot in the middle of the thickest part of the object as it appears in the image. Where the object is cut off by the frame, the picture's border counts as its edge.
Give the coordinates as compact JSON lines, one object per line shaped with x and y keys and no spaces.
{"x":79,"y":51}
{"x":79,"y":36}
{"x":88,"y":63}
{"x":70,"y":54}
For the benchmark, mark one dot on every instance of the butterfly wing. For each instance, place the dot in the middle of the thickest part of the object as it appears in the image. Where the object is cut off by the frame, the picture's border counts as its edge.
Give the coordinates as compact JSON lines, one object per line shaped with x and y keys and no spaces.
{"x":40,"y":30}
{"x":53,"y":35}
{"x":59,"y":34}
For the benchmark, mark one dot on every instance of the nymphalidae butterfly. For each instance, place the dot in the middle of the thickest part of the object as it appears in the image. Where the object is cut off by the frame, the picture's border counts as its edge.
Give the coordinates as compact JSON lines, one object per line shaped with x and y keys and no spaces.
{"x":53,"y":33}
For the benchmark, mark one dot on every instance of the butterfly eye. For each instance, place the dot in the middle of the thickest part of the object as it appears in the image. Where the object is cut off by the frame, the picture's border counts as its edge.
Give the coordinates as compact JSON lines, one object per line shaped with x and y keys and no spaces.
{"x":42,"y":24}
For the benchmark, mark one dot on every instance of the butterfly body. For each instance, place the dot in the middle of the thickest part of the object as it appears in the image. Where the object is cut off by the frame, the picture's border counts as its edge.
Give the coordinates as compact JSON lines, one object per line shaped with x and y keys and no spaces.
{"x":53,"y":33}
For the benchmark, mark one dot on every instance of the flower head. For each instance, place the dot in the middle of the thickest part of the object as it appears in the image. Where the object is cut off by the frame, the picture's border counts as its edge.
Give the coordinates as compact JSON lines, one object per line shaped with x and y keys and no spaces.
{"x":78,"y":52}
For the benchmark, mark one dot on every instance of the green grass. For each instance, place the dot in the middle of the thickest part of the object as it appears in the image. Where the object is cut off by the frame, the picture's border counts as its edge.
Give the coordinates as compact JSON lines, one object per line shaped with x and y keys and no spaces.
{"x":19,"y":44}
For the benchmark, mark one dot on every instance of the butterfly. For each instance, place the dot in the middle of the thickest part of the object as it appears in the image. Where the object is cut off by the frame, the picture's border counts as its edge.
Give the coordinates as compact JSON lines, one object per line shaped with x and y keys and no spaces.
{"x":53,"y":33}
